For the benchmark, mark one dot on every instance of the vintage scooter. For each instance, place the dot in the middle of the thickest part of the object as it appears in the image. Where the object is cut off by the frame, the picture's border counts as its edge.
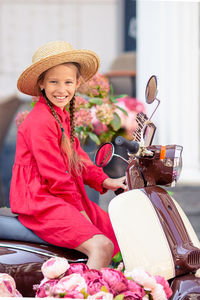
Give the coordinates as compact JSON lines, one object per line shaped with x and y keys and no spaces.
{"x":152,"y":230}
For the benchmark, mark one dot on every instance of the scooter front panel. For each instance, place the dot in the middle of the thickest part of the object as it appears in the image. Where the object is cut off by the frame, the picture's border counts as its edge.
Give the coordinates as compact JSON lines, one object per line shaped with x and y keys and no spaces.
{"x":186,"y":254}
{"x":140,"y":235}
{"x":188,"y":225}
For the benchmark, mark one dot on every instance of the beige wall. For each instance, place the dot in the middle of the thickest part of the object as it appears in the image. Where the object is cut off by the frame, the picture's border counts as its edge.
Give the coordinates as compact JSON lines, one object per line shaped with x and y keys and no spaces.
{"x":27,"y":24}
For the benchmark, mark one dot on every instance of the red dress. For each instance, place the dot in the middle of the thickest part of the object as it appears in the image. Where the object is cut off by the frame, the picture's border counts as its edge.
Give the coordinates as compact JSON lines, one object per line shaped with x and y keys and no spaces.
{"x":46,"y":197}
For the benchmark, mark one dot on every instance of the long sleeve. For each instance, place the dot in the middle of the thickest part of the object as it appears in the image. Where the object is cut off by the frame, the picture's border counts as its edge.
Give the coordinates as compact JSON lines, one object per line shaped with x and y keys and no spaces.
{"x":92,"y":175}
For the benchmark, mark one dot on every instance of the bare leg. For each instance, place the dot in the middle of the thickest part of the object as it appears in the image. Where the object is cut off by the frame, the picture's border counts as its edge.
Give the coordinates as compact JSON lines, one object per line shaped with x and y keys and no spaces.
{"x":99,"y":250}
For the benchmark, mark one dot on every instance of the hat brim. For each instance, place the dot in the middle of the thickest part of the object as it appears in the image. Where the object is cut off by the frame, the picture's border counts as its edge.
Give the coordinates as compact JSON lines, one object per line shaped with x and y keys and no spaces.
{"x":88,"y":61}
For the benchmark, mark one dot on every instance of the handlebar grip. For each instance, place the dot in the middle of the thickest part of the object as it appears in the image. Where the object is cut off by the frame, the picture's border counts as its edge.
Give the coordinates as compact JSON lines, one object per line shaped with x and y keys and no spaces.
{"x":132,"y":146}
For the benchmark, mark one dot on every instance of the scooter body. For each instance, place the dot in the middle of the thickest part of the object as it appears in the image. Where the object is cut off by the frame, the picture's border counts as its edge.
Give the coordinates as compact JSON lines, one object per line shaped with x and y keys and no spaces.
{"x":152,"y":230}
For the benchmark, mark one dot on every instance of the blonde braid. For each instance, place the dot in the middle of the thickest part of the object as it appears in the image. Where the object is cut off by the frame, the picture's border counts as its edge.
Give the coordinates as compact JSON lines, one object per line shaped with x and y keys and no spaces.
{"x":50,"y":105}
{"x":72,"y":119}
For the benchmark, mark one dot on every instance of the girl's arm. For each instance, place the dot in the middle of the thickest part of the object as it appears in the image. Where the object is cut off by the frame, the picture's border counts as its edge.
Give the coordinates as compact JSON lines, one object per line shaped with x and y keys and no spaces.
{"x":95,"y":177}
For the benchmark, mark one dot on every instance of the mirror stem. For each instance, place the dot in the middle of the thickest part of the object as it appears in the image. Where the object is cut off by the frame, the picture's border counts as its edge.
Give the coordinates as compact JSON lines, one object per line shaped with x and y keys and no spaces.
{"x":155,"y":108}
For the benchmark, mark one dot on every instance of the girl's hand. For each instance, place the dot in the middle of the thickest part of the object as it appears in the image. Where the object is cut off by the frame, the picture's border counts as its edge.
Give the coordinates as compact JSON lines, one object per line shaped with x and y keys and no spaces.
{"x":115,"y":184}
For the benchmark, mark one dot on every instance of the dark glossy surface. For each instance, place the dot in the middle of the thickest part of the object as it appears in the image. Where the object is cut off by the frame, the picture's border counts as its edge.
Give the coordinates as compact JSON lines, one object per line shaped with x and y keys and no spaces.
{"x":186,"y":287}
{"x":185,"y":255}
{"x":23,"y":262}
{"x":152,"y":170}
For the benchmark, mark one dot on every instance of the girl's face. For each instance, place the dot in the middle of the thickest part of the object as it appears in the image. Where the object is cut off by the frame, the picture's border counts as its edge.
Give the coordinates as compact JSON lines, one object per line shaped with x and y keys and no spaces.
{"x":60,"y":83}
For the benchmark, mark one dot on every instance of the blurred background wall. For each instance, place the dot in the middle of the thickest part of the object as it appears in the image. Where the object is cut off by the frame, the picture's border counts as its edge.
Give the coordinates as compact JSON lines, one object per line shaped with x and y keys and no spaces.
{"x":25,"y":25}
{"x":165,"y":43}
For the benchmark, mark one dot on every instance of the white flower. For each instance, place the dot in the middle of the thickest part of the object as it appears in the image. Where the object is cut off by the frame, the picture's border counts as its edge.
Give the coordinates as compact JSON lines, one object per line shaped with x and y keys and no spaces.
{"x":158,"y":293}
{"x":54,"y":267}
{"x":143,"y":278}
{"x":8,"y":286}
{"x":70,"y":283}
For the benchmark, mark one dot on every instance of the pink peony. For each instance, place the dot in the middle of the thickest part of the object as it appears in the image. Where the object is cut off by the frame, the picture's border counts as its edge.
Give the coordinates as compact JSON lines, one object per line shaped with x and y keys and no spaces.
{"x":77,"y":268}
{"x":54,"y":267}
{"x":129,"y":295}
{"x":73,"y":282}
{"x":158,"y":293}
{"x":73,"y":295}
{"x":45,"y":288}
{"x":101,"y":296}
{"x":165,"y":285}
{"x":8,"y":286}
{"x":143,"y":278}
{"x":116,"y":280}
{"x":95,"y":282}
{"x":134,"y":287}
{"x":92,"y":274}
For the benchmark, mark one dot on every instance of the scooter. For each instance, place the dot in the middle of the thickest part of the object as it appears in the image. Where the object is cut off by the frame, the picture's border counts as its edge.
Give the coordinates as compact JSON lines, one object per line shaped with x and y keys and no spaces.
{"x":163,"y":241}
{"x":152,"y":230}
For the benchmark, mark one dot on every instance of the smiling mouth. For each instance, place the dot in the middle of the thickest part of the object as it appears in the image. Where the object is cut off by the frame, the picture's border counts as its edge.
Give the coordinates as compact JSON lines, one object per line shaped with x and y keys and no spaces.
{"x":60,"y":98}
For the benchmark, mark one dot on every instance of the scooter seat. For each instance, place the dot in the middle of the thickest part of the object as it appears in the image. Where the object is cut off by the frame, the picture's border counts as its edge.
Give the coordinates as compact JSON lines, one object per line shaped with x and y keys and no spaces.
{"x":12,"y":229}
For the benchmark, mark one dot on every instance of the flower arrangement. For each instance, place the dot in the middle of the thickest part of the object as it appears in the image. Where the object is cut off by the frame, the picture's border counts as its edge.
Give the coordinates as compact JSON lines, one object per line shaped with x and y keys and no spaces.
{"x":99,"y":115}
{"x":8,"y":286}
{"x":102,"y":114}
{"x":77,"y":281}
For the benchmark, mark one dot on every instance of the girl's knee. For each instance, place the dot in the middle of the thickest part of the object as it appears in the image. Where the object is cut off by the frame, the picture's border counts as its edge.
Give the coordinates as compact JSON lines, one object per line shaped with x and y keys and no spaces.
{"x":104,"y":244}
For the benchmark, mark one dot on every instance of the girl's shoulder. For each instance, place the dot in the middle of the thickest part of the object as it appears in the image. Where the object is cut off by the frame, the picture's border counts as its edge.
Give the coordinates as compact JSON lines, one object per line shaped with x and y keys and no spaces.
{"x":38,"y":117}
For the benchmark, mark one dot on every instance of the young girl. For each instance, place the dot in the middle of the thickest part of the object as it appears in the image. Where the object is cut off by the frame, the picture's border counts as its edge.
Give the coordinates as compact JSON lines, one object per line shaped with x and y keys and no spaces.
{"x":50,"y":170}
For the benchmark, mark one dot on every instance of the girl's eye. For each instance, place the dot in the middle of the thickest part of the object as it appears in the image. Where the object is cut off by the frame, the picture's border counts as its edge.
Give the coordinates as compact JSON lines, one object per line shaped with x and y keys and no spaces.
{"x":52,"y":81}
{"x":69,"y":82}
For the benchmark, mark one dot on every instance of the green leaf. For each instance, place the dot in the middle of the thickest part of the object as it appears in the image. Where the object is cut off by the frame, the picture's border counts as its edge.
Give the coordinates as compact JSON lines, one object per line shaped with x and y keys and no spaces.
{"x":116,"y":122}
{"x":94,"y":137}
{"x":113,"y":100}
{"x":117,"y":258}
{"x":170,"y":193}
{"x":119,"y":297}
{"x":62,"y":295}
{"x":80,"y":129}
{"x":97,"y":101}
{"x":33,"y":103}
{"x":123,"y":110}
{"x":111,"y":90}
{"x":121,"y":96}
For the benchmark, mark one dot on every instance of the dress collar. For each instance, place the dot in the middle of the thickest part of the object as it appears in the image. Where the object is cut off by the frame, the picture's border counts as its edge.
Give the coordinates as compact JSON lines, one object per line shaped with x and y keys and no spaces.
{"x":63,"y":114}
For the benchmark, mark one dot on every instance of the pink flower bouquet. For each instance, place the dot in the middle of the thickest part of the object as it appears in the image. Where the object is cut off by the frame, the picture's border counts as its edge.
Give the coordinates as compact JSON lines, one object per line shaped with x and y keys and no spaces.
{"x":76,"y":281}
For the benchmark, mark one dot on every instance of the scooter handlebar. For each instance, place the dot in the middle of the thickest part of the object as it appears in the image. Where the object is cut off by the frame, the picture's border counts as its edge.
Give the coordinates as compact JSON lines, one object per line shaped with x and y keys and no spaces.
{"x":132,"y":146}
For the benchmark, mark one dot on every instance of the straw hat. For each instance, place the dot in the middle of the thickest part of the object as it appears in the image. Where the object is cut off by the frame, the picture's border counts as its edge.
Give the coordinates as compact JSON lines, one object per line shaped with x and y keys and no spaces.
{"x":53,"y":54}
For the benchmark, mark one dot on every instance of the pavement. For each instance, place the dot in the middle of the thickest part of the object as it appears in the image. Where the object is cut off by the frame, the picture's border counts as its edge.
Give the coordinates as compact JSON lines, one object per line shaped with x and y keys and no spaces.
{"x":188,"y":196}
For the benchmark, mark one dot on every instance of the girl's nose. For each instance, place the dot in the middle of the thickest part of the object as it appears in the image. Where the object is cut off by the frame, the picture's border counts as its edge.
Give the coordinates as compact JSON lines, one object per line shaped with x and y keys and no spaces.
{"x":61,"y":87}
